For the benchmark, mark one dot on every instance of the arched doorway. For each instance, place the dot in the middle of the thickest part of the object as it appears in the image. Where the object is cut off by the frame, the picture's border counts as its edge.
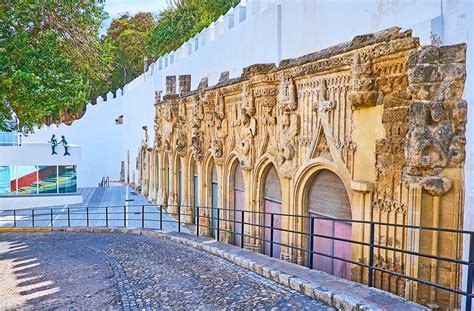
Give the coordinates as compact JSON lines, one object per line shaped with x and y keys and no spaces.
{"x":327,"y":197}
{"x":272,"y":209}
{"x":238,"y":185}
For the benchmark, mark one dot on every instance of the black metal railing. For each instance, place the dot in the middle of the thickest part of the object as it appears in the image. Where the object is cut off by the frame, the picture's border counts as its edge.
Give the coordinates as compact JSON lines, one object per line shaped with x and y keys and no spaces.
{"x":241,"y":230}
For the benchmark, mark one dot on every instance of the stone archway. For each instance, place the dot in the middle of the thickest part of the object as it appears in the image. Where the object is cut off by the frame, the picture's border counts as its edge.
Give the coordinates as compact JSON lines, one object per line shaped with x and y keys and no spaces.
{"x":327,"y":197}
{"x":272,"y":204}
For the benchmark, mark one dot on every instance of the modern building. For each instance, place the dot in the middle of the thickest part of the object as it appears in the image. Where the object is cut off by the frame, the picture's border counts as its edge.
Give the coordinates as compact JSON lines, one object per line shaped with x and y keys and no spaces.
{"x":31,"y":176}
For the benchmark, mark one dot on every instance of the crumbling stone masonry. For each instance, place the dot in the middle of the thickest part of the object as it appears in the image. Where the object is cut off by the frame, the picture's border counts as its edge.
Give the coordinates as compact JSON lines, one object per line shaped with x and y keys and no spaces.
{"x":372,"y":129}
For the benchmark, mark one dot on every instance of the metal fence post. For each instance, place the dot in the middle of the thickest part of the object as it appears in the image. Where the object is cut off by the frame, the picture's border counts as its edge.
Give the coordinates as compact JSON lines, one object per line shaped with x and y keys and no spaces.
{"x":125,"y":216}
{"x":242,"y":228}
{"x":51,"y":218}
{"x":311,"y":243}
{"x":371,"y":255}
{"x":68,"y":217}
{"x":197,"y":220}
{"x":218,"y":221}
{"x":272,"y":222}
{"x":87,"y":216}
{"x":14,"y":218}
{"x":161,"y":217}
{"x":470,"y":273}
{"x":179,"y":218}
{"x":143,"y":216}
{"x":106,"y":216}
{"x":32,"y":217}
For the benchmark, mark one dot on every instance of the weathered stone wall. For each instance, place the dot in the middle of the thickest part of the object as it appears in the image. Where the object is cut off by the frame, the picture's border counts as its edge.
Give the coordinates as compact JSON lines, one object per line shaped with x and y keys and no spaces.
{"x":381,"y":112}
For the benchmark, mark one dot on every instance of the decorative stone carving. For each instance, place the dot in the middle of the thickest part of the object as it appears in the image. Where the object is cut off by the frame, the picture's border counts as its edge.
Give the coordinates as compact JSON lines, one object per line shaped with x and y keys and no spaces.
{"x":168,"y":127}
{"x":158,"y":126}
{"x":322,"y":148}
{"x":181,"y":138}
{"x":300,"y":116}
{"x":363,"y":92}
{"x":287,"y":96}
{"x":196,"y":132}
{"x":269,"y":123}
{"x":435,"y":139}
{"x":220,"y":124}
{"x":248,"y":131}
{"x":289,"y":125}
{"x":323,"y":104}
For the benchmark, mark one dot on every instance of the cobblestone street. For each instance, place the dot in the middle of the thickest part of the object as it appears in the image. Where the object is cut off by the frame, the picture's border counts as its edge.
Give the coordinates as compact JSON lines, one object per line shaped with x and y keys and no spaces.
{"x":121,"y":271}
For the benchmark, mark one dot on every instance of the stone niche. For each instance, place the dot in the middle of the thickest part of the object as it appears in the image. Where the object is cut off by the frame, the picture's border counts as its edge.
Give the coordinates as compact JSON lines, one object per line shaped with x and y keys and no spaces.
{"x":382,"y":113}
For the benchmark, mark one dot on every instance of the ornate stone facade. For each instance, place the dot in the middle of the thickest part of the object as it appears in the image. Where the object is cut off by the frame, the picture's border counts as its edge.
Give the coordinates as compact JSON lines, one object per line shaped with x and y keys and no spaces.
{"x":381,"y":112}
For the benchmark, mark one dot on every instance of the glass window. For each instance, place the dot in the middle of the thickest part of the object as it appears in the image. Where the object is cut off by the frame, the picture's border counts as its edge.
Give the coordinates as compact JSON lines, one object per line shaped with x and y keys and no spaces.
{"x":67,"y":179}
{"x":7,"y":180}
{"x":47,"y":179}
{"x":27,"y":179}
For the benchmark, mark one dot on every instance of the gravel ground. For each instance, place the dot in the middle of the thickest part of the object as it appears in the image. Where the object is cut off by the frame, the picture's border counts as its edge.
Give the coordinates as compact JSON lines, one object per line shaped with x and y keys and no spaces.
{"x":120,"y":271}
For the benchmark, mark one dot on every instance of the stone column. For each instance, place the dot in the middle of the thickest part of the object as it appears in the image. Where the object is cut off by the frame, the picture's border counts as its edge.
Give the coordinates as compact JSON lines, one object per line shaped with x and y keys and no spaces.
{"x":361,"y":210}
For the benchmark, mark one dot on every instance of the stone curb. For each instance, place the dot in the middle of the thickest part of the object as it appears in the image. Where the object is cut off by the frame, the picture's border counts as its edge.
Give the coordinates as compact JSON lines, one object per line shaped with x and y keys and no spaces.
{"x":361,"y":298}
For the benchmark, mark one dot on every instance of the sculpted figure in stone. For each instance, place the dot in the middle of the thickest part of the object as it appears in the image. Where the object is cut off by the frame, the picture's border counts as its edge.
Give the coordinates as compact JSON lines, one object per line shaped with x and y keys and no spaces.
{"x":158,"y":126}
{"x":196,"y":133}
{"x":220,"y":125}
{"x":269,"y":122}
{"x":289,"y":125}
{"x":248,"y":131}
{"x":181,"y":138}
{"x":168,"y":128}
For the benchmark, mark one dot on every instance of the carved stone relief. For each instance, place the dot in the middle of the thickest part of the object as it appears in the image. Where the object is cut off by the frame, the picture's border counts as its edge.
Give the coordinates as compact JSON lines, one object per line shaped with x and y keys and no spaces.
{"x":435,"y":139}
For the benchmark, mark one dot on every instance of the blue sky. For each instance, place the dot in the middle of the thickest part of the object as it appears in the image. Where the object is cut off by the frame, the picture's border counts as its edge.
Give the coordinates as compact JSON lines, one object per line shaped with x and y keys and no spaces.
{"x":116,"y":7}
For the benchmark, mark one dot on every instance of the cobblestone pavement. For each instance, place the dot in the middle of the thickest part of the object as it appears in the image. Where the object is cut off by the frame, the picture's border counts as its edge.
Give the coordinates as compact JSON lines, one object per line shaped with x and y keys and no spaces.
{"x":120,"y":271}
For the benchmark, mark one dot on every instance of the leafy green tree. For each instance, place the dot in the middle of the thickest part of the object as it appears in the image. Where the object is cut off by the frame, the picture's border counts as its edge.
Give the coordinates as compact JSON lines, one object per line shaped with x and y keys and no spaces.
{"x":127,"y":39}
{"x":182,"y":20}
{"x":49,"y":55}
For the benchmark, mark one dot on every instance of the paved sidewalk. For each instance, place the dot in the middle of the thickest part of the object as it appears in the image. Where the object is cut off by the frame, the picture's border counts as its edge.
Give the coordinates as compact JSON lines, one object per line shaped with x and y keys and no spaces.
{"x":122,"y":271}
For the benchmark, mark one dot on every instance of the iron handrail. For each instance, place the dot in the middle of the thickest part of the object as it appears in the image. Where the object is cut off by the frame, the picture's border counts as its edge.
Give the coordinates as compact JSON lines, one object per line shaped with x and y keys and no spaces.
{"x":178,"y":217}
